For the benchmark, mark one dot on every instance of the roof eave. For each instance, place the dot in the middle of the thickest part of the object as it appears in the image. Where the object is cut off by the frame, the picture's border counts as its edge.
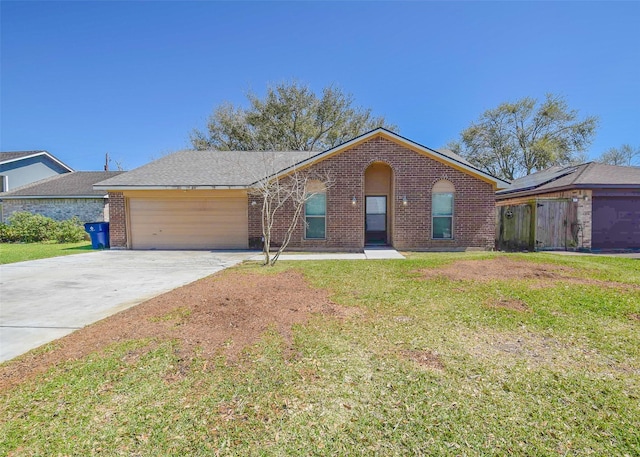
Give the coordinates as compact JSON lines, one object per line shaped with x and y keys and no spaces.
{"x":49,"y":197}
{"x":181,"y":187}
{"x":503,"y":195}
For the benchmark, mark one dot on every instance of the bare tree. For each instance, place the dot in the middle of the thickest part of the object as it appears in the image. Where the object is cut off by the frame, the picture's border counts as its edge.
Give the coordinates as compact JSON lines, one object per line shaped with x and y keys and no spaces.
{"x":625,"y":155}
{"x":282,"y":187}
{"x":285,"y":198}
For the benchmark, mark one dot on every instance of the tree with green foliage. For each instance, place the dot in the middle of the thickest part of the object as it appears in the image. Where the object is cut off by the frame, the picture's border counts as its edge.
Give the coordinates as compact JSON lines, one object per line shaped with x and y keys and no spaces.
{"x":522,"y":137}
{"x":625,"y":155}
{"x":291,"y":117}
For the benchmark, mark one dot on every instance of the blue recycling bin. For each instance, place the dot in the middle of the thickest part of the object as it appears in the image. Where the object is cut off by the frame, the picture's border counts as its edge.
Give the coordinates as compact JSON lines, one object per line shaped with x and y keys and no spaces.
{"x":99,"y":233}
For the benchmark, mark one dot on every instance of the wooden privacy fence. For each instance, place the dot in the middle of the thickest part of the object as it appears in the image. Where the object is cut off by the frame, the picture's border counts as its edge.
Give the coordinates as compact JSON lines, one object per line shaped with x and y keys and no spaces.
{"x":542,"y":224}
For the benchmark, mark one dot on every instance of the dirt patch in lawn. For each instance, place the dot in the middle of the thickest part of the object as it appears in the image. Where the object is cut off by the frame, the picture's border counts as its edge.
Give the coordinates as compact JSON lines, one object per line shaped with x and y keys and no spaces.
{"x":634,"y":316}
{"x":509,"y":303}
{"x":425,"y":359}
{"x":504,"y":268}
{"x":498,"y":268}
{"x":219,"y":315}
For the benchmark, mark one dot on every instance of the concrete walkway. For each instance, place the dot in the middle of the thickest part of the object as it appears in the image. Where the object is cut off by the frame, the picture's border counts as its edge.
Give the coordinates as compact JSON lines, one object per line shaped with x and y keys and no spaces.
{"x":43,"y":300}
{"x":368,"y":254}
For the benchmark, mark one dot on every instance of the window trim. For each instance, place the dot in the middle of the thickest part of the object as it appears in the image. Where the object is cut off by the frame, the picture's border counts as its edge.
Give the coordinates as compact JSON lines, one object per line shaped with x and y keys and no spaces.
{"x":315,"y":216}
{"x":451,"y":192}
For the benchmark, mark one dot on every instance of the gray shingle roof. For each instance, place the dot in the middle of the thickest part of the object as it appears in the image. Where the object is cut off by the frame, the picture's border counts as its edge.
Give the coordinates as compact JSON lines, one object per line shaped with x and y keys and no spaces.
{"x":6,"y":156}
{"x":207,"y":169}
{"x":591,"y":174}
{"x":75,"y":184}
{"x":224,"y":169}
{"x":600,"y":174}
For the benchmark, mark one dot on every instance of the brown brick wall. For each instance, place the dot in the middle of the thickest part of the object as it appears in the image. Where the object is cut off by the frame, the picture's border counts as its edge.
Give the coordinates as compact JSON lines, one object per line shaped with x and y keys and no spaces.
{"x":117,"y":220}
{"x":413,"y":176}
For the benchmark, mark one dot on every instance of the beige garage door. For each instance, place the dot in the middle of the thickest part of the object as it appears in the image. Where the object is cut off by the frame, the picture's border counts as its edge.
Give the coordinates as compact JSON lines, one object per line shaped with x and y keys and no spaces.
{"x":217,"y":221}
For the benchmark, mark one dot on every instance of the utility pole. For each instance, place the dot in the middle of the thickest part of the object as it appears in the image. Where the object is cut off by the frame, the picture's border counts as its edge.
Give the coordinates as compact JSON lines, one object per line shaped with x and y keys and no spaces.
{"x":106,"y":162}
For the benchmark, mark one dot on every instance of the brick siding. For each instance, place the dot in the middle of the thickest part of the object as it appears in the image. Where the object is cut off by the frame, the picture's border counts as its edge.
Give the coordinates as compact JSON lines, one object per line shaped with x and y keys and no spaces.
{"x":117,"y":220}
{"x":86,"y":209}
{"x":414,"y":175}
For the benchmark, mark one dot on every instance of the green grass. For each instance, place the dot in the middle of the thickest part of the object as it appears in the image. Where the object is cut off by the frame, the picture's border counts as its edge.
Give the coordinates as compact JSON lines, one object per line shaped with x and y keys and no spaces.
{"x":560,"y":379}
{"x":19,"y":252}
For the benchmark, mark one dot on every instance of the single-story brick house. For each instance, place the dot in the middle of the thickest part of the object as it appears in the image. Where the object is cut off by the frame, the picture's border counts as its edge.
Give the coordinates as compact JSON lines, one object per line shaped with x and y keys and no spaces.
{"x":603,"y":202}
{"x":386,"y":190}
{"x":61,"y":197}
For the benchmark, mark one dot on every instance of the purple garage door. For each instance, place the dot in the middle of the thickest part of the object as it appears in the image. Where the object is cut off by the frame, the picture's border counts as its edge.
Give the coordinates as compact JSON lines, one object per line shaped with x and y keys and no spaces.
{"x":616,"y":223}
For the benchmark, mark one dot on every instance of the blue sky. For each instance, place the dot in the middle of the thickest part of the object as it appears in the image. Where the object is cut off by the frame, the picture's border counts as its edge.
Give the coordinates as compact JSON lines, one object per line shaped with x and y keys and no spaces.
{"x":81,"y":79}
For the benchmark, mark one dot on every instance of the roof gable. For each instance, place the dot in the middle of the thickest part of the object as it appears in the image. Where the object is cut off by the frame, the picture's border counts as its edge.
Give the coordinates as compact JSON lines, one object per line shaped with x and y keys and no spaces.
{"x":17,"y":156}
{"x":444,"y":156}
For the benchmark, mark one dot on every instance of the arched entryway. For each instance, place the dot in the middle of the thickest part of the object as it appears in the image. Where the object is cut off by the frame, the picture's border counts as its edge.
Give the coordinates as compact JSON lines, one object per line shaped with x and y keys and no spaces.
{"x":378,"y":186}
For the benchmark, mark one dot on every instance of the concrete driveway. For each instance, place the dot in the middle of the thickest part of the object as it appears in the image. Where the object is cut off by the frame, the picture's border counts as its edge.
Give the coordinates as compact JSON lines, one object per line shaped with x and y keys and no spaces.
{"x":42,"y":300}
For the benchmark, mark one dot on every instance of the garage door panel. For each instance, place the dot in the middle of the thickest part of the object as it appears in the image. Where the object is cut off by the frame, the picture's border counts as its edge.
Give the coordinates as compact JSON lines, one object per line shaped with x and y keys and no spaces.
{"x":217,"y":222}
{"x":616,"y":223}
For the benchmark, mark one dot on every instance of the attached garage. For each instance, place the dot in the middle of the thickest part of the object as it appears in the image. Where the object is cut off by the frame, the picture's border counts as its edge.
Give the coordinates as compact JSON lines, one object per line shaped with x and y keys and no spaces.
{"x":606,"y":199}
{"x":189,"y":219}
{"x":190,"y":199}
{"x":616,"y":220}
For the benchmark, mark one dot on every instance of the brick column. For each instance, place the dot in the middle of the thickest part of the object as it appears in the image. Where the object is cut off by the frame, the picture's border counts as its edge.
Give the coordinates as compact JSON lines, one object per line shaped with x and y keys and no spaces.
{"x":117,"y":220}
{"x":585,"y":211}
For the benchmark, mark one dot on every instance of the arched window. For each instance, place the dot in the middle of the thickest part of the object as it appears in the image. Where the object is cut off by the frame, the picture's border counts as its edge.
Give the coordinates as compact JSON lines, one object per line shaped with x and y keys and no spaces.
{"x":442,"y":197}
{"x":315,"y":211}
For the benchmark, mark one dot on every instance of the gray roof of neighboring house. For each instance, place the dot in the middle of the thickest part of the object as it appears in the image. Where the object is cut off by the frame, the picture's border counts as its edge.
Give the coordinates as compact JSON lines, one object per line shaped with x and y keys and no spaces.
{"x":208,"y":169}
{"x":76,"y":184}
{"x":6,"y":156}
{"x":586,"y":175}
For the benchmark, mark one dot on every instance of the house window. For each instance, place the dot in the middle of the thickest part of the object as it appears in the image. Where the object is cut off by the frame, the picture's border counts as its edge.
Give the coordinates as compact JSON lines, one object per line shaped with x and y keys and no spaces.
{"x":442,"y":210}
{"x":315,"y":213}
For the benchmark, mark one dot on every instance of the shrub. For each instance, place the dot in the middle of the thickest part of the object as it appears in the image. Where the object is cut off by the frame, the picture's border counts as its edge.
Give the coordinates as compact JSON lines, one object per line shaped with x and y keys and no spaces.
{"x":31,"y":228}
{"x":7,"y":233}
{"x":70,"y":231}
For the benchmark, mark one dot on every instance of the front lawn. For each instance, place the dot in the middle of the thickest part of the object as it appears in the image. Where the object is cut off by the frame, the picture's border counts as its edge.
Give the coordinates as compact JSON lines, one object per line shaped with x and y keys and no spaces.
{"x":441,"y":354}
{"x":19,"y":252}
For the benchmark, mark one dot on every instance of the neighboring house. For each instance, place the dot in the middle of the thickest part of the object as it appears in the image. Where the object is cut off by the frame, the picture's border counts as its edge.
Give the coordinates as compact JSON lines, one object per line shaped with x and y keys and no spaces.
{"x":61,"y":197}
{"x":592,"y":206}
{"x":20,"y":168}
{"x":386,"y":190}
